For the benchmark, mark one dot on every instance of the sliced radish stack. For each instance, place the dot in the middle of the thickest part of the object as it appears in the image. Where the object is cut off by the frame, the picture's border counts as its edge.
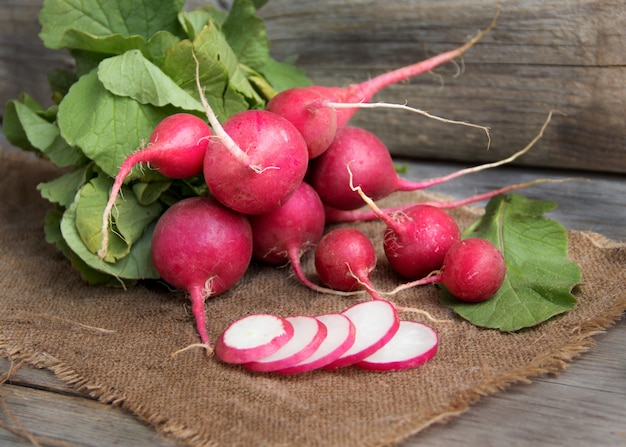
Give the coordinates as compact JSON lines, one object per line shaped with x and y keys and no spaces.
{"x":376,"y":322}
{"x":340,"y":337}
{"x":253,"y":337}
{"x":413,"y":345}
{"x":309,"y":333}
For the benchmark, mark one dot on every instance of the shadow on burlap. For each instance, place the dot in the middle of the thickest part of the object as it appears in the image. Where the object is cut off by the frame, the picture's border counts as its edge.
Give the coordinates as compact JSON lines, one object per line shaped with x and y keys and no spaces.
{"x":51,"y":319}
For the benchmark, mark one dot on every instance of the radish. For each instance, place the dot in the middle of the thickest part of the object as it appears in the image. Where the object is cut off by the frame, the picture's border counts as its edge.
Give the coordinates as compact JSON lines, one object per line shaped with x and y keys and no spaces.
{"x":176,"y":149}
{"x":344,"y":259}
{"x":413,"y":345}
{"x":256,"y":160}
{"x":287,"y":232}
{"x":473,"y":270}
{"x":340,"y":337}
{"x":202,"y":247}
{"x":253,"y":337}
{"x":308,"y":335}
{"x":309,"y":110}
{"x":376,"y":322}
{"x":261,"y":164}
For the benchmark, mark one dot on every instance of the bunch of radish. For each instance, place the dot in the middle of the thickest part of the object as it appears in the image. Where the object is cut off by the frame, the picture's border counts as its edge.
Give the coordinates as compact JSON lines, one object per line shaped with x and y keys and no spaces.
{"x":261,"y":208}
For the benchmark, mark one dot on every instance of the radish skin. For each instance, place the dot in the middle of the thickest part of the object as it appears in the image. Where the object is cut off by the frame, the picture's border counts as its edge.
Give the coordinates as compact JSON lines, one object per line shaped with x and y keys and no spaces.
{"x":253,"y":337}
{"x":308,"y":335}
{"x":413,"y":345}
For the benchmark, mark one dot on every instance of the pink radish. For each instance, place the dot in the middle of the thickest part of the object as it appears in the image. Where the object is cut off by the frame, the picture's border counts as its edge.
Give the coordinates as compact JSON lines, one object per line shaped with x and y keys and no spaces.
{"x":256,"y":160}
{"x":413,"y":345}
{"x":260,"y":163}
{"x":344,"y":259}
{"x":287,"y":232}
{"x":253,"y":337}
{"x":473,"y":270}
{"x":308,"y":335}
{"x":340,"y":337}
{"x":176,"y":149}
{"x":376,"y":322}
{"x":306,"y":107}
{"x":202,"y":247}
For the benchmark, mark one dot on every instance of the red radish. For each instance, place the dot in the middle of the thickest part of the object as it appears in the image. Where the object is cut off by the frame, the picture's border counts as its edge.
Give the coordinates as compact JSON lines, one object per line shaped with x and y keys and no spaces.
{"x":376,"y":322}
{"x":176,"y":149}
{"x":256,"y":160}
{"x":305,"y":107}
{"x":253,"y":337}
{"x":413,"y":345}
{"x":344,"y":259}
{"x":308,"y":335}
{"x":340,"y":337}
{"x":473,"y":270}
{"x":271,"y":162}
{"x":287,"y":232}
{"x":202,"y":247}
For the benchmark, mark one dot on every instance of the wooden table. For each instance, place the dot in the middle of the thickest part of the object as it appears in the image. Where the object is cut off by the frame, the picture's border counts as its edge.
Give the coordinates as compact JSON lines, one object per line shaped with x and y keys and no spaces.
{"x":583,"y":406}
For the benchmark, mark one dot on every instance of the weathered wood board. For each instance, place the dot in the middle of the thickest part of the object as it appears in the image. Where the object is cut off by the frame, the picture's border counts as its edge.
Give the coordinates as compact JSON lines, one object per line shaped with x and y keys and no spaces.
{"x":569,"y":56}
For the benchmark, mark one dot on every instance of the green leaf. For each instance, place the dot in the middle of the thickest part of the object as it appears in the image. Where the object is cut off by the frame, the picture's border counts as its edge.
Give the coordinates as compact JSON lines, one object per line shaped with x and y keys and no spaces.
{"x":129,"y":218}
{"x":148,"y":193}
{"x":132,"y":75}
{"x":106,"y":127}
{"x":246,"y":34}
{"x":61,"y":19}
{"x":136,"y":265}
{"x":24,"y":126}
{"x":539,"y":277}
{"x":193,"y":21}
{"x":62,"y":189}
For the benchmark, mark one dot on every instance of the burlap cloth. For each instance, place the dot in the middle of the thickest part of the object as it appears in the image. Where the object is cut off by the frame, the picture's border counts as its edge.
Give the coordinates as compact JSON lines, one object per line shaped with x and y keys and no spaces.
{"x":51,"y":319}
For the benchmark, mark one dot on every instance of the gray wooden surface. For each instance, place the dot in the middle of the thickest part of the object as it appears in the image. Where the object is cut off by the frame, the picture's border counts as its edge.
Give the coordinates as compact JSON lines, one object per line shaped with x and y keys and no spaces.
{"x":583,"y":406}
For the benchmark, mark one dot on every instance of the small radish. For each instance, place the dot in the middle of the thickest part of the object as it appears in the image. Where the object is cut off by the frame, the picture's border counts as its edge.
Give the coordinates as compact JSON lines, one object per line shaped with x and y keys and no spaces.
{"x":308,"y":335}
{"x":413,"y":345}
{"x":253,"y":337}
{"x":376,"y":322}
{"x":473,"y":270}
{"x":202,"y":247}
{"x":306,"y":107}
{"x":344,"y":259}
{"x":340,"y":337}
{"x":176,"y":149}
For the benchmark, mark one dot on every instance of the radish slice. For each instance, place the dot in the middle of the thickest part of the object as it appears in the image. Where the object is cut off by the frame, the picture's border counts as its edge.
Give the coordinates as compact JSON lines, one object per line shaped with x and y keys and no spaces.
{"x":309,"y":333}
{"x":414,"y":344}
{"x":253,"y":337}
{"x":340,"y":337}
{"x":376,"y":322}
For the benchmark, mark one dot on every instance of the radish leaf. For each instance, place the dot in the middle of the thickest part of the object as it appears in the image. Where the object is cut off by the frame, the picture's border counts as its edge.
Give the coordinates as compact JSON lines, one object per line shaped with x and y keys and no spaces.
{"x":540,"y":276}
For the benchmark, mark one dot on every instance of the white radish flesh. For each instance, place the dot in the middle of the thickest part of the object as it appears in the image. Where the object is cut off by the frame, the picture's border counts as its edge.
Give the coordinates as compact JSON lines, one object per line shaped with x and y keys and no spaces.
{"x":253,"y":337}
{"x":340,"y":337}
{"x":309,"y":333}
{"x":376,"y":322}
{"x":413,"y":345}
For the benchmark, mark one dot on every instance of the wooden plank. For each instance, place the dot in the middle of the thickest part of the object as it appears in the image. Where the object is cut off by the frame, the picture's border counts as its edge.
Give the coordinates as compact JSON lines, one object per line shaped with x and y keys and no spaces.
{"x":541,"y":56}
